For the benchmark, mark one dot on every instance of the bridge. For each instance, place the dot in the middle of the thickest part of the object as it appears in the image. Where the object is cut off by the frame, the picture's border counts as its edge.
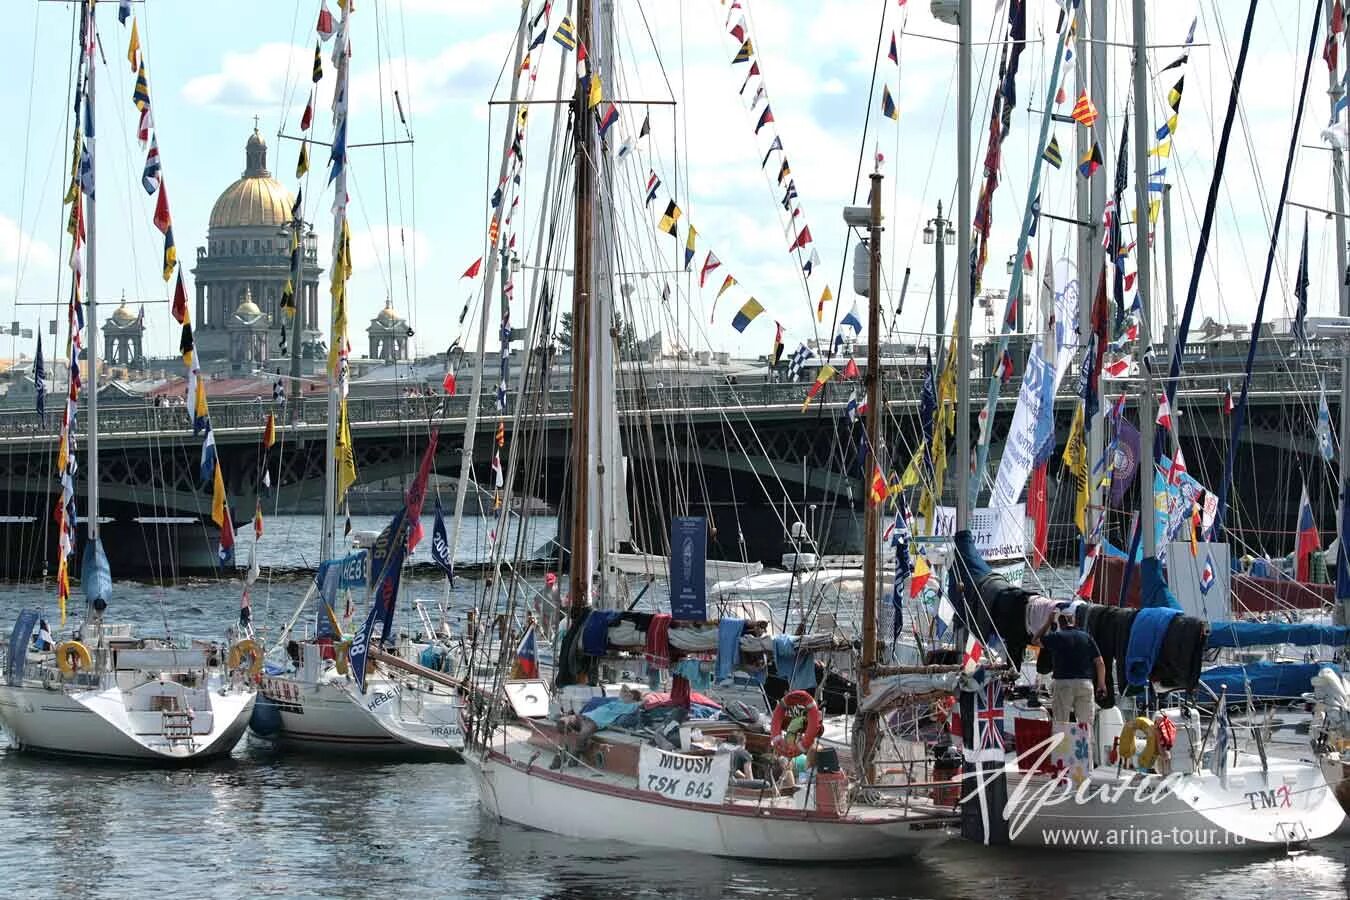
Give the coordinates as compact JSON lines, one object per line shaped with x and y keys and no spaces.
{"x":739,"y":453}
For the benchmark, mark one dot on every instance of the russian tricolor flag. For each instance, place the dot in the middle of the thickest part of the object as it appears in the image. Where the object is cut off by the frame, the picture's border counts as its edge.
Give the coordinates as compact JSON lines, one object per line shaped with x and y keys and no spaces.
{"x":1308,"y":539}
{"x":527,"y":655}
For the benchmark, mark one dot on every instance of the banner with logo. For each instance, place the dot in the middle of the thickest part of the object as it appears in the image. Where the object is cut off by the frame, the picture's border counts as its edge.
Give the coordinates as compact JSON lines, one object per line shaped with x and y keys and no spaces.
{"x":999,"y":532}
{"x":1033,"y":422}
{"x":688,"y":565}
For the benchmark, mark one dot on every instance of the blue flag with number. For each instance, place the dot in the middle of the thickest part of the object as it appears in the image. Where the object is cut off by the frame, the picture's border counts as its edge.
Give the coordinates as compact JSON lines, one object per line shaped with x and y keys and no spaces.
{"x":440,"y":545}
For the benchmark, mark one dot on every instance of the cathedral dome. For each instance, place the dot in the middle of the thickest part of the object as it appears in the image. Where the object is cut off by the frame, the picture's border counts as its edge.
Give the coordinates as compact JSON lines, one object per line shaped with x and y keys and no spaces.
{"x":123,"y":316}
{"x":248,"y":310}
{"x":388,"y":315}
{"x":256,"y":199}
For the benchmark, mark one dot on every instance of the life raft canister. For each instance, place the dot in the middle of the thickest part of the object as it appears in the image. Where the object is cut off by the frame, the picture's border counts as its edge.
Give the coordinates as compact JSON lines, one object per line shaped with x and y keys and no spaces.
{"x":72,"y":656}
{"x":1127,"y":738}
{"x":796,"y":724}
{"x":248,"y":648}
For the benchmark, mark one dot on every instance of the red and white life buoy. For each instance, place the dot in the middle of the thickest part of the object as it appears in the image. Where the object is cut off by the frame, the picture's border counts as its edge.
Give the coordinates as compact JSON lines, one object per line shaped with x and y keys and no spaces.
{"x":796,"y":724}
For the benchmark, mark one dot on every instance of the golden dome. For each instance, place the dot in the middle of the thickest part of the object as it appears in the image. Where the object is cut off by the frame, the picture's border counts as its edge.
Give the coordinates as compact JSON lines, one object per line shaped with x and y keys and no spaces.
{"x":256,"y":199}
{"x":247,"y":308}
{"x":123,"y":316}
{"x":388,"y":315}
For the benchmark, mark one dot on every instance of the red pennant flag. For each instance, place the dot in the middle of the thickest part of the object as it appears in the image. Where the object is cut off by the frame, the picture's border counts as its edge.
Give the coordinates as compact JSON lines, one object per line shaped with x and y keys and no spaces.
{"x":307,"y":119}
{"x":325,"y":26}
{"x":180,"y":301}
{"x":1037,"y":511}
{"x":449,"y":382}
{"x":472,"y":271}
{"x":803,"y":238}
{"x":162,"y":218}
{"x":851,"y":370}
{"x":1164,"y":413}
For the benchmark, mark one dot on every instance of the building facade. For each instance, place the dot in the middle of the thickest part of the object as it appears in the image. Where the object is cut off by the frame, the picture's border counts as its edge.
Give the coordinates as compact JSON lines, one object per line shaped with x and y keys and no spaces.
{"x":242,"y":272}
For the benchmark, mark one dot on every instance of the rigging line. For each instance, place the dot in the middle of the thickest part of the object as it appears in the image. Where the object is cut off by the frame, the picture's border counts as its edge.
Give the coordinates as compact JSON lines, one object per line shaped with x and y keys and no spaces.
{"x":858,"y":169}
{"x":22,"y":252}
{"x":1239,"y":412}
{"x":384,"y":150}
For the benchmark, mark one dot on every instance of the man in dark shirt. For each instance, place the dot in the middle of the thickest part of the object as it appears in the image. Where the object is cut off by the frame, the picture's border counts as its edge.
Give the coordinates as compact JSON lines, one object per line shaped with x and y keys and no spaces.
{"x":1078,"y":668}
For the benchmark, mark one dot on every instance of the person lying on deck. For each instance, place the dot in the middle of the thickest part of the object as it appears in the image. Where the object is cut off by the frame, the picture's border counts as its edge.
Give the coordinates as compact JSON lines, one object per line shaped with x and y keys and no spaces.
{"x":579,"y":729}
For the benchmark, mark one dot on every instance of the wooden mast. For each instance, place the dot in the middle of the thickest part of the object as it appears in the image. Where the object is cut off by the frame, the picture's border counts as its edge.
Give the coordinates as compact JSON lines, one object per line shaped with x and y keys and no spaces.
{"x":873,"y":506}
{"x":579,"y":540}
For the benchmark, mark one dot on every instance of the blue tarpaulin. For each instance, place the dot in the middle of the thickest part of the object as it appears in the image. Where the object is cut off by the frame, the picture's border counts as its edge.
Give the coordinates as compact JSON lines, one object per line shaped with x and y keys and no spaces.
{"x":1266,"y":679}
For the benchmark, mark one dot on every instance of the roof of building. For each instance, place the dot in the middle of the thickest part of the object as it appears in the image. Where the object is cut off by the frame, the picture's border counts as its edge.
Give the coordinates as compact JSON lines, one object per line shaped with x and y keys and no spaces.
{"x":256,"y":199}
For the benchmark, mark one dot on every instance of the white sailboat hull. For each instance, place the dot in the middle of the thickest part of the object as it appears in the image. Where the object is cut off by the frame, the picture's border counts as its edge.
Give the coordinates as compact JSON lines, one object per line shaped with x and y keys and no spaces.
{"x":331,"y":715}
{"x":1196,"y":812}
{"x":568,"y":805}
{"x":97,"y":723}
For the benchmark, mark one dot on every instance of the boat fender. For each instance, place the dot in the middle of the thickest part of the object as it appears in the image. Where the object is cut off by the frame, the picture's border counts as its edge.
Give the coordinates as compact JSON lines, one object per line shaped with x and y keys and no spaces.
{"x":1127,"y":738}
{"x":248,"y":648}
{"x":796,"y":724}
{"x":73,"y":656}
{"x":340,"y":654}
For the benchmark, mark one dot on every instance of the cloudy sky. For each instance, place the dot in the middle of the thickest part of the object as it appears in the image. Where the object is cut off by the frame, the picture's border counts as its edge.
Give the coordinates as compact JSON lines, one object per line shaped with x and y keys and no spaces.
{"x":419,"y":211}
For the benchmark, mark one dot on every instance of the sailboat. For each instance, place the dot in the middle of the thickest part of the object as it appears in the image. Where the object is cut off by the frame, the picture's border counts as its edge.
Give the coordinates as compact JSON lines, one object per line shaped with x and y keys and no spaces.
{"x":677,"y":791}
{"x":104,"y":692}
{"x":329,"y":691}
{"x":1170,"y":774}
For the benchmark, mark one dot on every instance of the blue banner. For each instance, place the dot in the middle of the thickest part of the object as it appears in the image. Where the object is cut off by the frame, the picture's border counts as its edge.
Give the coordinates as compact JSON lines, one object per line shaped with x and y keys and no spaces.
{"x":387,"y":564}
{"x":355,"y":570}
{"x":440,"y":545}
{"x":688,"y":557}
{"x":18,"y":644}
{"x":325,"y":608}
{"x":95,"y":573}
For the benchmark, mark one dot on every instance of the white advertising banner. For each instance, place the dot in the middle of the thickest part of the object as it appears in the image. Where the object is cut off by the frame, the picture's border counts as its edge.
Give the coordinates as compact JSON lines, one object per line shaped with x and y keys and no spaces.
{"x":1033,"y":419}
{"x":999,"y":532}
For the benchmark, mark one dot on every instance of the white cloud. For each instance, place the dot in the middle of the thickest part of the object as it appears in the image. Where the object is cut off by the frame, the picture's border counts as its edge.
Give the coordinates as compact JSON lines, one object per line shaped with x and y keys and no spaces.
{"x":253,"y":81}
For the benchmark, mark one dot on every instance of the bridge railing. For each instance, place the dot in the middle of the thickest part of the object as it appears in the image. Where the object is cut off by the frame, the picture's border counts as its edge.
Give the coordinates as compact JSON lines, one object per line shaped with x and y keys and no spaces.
{"x":134,"y":419}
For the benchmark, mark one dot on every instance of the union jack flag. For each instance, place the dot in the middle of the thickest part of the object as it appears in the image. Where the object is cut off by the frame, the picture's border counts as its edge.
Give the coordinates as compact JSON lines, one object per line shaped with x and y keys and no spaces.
{"x":989,"y":717}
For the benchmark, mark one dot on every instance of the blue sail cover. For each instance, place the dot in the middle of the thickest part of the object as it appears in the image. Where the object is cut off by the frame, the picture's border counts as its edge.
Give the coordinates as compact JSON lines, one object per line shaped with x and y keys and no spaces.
{"x":1265,"y":679}
{"x":96,"y":574}
{"x":1153,"y":590}
{"x":1266,"y":634}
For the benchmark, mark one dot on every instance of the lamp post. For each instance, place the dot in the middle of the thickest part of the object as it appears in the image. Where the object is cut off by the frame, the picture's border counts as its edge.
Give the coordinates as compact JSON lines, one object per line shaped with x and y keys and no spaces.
{"x":940,"y":234}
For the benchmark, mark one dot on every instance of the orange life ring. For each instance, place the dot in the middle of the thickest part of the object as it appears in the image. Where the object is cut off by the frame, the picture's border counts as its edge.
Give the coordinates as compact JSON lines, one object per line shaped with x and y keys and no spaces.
{"x":796,"y":724}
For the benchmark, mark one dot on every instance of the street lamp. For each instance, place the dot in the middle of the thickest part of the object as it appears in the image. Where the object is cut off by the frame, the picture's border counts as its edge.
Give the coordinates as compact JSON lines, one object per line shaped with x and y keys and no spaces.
{"x":940,"y":234}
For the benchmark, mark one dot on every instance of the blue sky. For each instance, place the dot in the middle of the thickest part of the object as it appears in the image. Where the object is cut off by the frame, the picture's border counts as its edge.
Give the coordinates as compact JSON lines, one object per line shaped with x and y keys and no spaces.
{"x":213,"y":69}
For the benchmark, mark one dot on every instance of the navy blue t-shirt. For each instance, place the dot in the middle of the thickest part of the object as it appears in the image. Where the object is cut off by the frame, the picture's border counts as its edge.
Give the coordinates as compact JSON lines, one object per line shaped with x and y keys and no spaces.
{"x":1074,"y":651}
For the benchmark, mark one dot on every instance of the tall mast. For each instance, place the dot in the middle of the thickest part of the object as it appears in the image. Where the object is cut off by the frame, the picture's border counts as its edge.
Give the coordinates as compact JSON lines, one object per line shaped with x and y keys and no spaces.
{"x":963,"y":283}
{"x":1091,"y":203}
{"x":1336,"y":91}
{"x":1147,"y":398}
{"x":608,"y":501}
{"x":489,"y":277}
{"x":873,"y":420}
{"x":91,"y":292}
{"x":337,"y":377}
{"x":585,"y":143}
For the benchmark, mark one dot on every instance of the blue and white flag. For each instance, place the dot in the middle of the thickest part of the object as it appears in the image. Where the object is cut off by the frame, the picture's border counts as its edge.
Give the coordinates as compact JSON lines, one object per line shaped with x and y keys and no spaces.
{"x":1325,"y":442}
{"x":1207,"y":575}
{"x":208,"y":467}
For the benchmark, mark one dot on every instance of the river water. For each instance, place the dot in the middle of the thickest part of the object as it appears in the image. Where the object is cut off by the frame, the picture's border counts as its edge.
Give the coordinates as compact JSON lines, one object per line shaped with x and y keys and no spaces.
{"x":263,"y":824}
